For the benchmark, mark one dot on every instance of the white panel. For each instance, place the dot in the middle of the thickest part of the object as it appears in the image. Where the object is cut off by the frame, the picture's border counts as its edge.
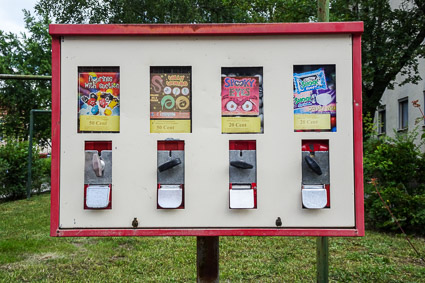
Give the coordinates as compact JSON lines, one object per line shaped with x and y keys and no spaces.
{"x":206,"y":149}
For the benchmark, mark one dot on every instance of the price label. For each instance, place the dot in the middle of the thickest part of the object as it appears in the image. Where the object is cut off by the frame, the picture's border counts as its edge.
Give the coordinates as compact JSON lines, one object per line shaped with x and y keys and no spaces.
{"x":170,"y":126}
{"x":99,"y":123}
{"x":312,"y":121}
{"x":241,"y":124}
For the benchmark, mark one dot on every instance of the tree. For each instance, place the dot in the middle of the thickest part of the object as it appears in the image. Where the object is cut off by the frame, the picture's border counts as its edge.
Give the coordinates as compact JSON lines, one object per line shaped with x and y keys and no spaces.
{"x":28,"y":55}
{"x":392,"y":42}
{"x":177,"y":11}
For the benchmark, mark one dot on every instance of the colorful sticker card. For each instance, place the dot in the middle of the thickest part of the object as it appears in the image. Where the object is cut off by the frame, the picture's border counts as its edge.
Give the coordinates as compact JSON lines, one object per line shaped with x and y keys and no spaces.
{"x":170,"y":103}
{"x":314,"y":98}
{"x":240,"y":96}
{"x":313,"y":80}
{"x":241,"y":100}
{"x":99,"y":102}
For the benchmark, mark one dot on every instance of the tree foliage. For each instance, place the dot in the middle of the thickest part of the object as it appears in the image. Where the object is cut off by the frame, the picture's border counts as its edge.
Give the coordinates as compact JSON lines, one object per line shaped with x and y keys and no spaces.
{"x":25,"y":55}
{"x":177,"y":11}
{"x":392,"y":42}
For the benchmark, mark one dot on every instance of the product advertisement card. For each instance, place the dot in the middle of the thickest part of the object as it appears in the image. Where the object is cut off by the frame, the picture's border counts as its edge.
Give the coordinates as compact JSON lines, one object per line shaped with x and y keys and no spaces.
{"x":314,"y":98}
{"x":240,"y":104}
{"x":99,"y":102}
{"x":239,"y":96}
{"x":170,"y":103}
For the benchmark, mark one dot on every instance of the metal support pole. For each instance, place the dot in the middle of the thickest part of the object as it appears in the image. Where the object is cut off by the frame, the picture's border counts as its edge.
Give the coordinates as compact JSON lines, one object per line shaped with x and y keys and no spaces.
{"x":323,"y":10}
{"x":207,"y":259}
{"x":322,"y":260}
{"x":31,"y":134}
{"x":322,"y":242}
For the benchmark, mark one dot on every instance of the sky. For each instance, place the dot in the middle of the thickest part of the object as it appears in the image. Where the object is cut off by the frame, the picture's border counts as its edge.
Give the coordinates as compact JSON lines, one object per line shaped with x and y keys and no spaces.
{"x":11,"y":15}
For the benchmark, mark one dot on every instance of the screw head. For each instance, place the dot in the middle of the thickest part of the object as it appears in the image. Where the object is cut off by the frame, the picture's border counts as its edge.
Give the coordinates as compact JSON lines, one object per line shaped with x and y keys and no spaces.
{"x":278,"y":222}
{"x":135,"y":223}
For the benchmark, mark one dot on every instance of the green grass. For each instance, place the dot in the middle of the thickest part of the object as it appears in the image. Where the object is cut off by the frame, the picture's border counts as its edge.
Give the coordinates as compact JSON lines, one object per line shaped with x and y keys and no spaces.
{"x":27,"y":253}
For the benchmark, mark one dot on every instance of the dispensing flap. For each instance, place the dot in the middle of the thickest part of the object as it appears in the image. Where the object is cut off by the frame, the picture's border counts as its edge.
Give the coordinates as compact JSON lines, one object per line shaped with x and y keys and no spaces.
{"x":241,"y":196}
{"x":170,"y":196}
{"x":98,"y":196}
{"x":314,"y":196}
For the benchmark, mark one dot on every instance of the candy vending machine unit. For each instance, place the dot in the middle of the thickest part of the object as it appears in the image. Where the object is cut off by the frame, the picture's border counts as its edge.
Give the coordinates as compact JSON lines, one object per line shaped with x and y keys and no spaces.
{"x":207,"y":130}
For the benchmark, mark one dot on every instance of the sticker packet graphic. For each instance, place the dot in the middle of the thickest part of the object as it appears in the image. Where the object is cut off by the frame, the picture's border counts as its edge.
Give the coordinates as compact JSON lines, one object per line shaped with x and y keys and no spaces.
{"x":313,"y":80}
{"x":314,"y":102}
{"x":314,"y":98}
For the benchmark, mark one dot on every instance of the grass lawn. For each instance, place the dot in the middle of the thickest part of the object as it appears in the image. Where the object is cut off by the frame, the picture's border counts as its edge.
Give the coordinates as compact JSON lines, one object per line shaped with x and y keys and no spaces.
{"x":27,"y":253}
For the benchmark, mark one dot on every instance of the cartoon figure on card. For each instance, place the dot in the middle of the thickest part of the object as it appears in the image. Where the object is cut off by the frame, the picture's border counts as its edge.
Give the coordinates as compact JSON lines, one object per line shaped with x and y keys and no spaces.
{"x":98,"y":94}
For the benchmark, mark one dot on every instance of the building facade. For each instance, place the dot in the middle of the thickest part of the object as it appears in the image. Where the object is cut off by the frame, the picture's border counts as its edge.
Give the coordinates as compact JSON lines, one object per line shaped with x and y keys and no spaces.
{"x":397,"y":114}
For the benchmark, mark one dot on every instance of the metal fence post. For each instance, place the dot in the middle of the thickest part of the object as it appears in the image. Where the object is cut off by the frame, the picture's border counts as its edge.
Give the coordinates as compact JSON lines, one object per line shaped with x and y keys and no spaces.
{"x":29,"y":183}
{"x":31,"y":134}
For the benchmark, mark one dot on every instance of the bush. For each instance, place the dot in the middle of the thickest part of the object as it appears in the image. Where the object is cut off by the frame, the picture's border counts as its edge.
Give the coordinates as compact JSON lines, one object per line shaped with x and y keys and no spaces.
{"x":398,"y":165}
{"x":408,"y":209}
{"x":14,"y":169}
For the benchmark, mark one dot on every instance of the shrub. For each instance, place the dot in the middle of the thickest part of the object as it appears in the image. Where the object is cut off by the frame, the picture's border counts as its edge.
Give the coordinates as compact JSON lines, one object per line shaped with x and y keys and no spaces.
{"x":408,"y":209}
{"x":398,"y":164}
{"x":41,"y":173}
{"x":14,"y":166}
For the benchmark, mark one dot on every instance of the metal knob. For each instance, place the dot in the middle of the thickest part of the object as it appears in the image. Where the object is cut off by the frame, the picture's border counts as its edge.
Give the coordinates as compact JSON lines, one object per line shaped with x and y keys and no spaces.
{"x":313,"y":165}
{"x":98,"y":165}
{"x":169,"y":164}
{"x":241,"y":165}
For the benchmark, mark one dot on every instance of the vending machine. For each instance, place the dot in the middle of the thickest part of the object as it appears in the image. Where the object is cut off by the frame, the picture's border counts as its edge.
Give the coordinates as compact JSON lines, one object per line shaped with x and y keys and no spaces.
{"x":207,"y":130}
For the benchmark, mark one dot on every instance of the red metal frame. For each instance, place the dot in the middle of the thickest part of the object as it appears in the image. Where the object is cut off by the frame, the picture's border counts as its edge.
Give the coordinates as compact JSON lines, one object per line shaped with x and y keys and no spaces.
{"x":56,"y":130}
{"x":242,"y":145}
{"x":170,"y":145}
{"x":353,"y":28}
{"x":209,"y":29}
{"x":358,"y":133}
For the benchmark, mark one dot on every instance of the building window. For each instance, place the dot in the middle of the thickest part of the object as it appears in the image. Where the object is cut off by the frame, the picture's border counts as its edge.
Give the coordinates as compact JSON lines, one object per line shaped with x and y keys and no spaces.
{"x":382,"y":121}
{"x":403,"y":117}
